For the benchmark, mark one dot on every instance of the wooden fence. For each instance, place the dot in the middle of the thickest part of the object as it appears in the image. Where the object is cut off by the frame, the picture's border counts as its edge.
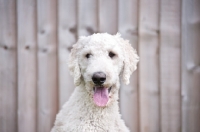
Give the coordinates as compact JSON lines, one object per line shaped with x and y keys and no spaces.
{"x":36,"y":38}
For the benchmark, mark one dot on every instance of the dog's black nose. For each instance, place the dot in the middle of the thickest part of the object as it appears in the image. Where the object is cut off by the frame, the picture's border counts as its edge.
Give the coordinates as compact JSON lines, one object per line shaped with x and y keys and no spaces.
{"x":99,"y":78}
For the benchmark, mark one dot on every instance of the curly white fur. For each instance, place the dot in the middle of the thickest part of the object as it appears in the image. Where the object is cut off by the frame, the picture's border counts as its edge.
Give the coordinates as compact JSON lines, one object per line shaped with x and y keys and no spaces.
{"x":80,"y":113}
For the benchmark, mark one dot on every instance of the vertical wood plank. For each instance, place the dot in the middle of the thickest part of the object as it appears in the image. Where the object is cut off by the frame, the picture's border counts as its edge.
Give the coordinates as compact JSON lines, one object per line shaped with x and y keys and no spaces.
{"x":108,"y":16}
{"x":128,"y":27}
{"x":87,"y":17}
{"x":170,"y":65}
{"x":149,"y":66}
{"x":47,"y":64}
{"x":8,"y":66}
{"x":27,"y":72}
{"x":190,"y":66}
{"x":67,"y":30}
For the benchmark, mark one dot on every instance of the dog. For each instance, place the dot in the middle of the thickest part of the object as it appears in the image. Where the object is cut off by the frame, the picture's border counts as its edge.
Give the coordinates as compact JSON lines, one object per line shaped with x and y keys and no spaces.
{"x":97,"y":63}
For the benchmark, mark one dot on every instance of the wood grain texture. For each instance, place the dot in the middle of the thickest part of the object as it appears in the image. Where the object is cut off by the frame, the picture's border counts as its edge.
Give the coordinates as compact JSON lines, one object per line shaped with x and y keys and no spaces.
{"x":149,"y":66}
{"x":8,"y":66}
{"x":27,"y":79}
{"x":108,"y":15}
{"x":47,"y":64}
{"x":170,"y":65}
{"x":190,"y":66}
{"x":87,"y":17}
{"x":27,"y":65}
{"x":129,"y":99}
{"x":67,"y":35}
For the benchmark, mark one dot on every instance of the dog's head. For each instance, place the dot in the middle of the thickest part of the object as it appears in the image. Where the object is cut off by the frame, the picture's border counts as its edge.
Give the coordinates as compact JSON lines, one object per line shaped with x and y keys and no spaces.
{"x":98,"y":61}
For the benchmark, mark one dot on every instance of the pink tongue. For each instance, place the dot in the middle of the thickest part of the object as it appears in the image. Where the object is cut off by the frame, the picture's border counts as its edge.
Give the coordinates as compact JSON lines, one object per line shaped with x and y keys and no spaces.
{"x":100,"y":96}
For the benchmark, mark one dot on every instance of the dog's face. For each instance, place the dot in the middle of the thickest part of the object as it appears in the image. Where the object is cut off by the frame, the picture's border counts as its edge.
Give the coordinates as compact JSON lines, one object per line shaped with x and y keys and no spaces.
{"x":98,"y":61}
{"x":101,"y":64}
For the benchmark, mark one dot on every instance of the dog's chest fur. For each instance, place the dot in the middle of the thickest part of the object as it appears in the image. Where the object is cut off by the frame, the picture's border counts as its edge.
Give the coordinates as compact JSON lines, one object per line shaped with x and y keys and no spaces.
{"x":79,"y":114}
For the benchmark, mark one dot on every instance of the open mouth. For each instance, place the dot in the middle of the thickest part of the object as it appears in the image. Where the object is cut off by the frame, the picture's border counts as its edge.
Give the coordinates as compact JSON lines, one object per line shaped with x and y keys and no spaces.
{"x":101,"y":95}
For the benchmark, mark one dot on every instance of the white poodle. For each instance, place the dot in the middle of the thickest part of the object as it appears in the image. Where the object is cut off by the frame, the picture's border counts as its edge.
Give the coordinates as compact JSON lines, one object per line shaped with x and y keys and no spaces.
{"x":97,"y":62}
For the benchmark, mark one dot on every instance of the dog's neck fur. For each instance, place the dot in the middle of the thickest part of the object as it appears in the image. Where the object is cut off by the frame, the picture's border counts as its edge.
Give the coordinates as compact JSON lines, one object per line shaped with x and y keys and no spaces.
{"x":81,"y":109}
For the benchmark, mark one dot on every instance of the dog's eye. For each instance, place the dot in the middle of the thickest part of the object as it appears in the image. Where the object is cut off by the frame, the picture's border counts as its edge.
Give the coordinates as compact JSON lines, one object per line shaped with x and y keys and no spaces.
{"x":88,"y":55}
{"x":111,"y":54}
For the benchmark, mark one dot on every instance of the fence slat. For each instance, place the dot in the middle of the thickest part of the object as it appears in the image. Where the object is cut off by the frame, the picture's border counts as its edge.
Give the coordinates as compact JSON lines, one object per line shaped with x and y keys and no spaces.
{"x":8,"y":66}
{"x":128,"y":27}
{"x":67,"y":36}
{"x":87,"y":17}
{"x":148,"y":67}
{"x":190,"y":66}
{"x":47,"y":64}
{"x":27,"y":57}
{"x":108,"y":16}
{"x":170,"y":63}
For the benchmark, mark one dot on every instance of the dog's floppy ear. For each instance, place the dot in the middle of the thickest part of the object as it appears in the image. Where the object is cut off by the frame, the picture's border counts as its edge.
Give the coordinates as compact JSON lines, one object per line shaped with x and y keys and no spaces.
{"x":74,"y":65}
{"x":130,"y":59}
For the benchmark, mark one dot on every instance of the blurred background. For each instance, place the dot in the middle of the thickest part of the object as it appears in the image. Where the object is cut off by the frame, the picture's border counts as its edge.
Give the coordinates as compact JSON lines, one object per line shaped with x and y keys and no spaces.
{"x":36,"y":37}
